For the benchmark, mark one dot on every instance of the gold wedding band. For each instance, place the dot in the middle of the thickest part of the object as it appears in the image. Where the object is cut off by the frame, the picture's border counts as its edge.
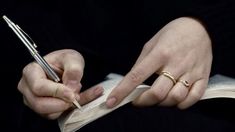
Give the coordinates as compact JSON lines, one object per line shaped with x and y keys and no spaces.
{"x":56,"y":91}
{"x":184,"y":82}
{"x":168,"y":75}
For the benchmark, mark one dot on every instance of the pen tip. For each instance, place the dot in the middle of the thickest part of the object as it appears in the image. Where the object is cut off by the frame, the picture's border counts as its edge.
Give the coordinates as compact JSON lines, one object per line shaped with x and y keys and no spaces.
{"x":77,"y":104}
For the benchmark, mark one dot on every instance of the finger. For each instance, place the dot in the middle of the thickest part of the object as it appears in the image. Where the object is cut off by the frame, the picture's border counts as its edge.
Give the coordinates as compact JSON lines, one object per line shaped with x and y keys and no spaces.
{"x":25,"y":102}
{"x":53,"y":116}
{"x":156,"y":94}
{"x":90,"y":94}
{"x":48,"y":88}
{"x":36,"y":80}
{"x":195,"y":93}
{"x":145,"y":51}
{"x":73,"y":71}
{"x":21,"y":85}
{"x":180,"y":90}
{"x":37,"y":103}
{"x":135,"y":77}
{"x":23,"y":88}
{"x":71,"y":63}
{"x":47,"y":105}
{"x":33,"y":72}
{"x":176,"y":95}
{"x":44,"y":105}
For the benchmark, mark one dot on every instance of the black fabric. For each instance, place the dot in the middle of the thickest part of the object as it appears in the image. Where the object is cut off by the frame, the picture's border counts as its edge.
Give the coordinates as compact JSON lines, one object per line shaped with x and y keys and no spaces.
{"x":110,"y":35}
{"x":205,"y":116}
{"x":218,"y":17}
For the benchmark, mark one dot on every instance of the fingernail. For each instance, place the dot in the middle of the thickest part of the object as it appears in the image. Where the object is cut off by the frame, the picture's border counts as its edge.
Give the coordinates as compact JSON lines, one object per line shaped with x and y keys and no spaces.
{"x":111,"y":102}
{"x":98,"y":91}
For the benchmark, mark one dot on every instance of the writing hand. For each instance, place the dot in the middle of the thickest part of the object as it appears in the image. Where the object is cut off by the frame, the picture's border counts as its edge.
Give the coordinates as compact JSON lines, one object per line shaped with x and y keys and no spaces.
{"x":51,"y":99}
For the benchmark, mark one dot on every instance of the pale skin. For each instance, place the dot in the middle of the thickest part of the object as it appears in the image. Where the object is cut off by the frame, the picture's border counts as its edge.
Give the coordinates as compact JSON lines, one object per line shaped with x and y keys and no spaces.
{"x":38,"y":90}
{"x":182,"y":47}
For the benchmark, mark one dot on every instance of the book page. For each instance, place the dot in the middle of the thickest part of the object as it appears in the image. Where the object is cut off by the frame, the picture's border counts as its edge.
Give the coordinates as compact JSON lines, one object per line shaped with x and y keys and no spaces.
{"x":77,"y":118}
{"x":219,"y":86}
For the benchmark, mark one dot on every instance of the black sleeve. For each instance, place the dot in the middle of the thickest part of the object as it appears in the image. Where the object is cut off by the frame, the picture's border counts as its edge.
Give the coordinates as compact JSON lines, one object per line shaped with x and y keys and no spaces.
{"x":218,"y":18}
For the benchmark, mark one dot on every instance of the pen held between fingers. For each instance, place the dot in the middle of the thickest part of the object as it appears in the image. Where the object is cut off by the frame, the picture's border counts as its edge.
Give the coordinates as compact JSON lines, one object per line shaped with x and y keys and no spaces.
{"x":75,"y":102}
{"x":73,"y":99}
{"x":75,"y":86}
{"x":67,"y":95}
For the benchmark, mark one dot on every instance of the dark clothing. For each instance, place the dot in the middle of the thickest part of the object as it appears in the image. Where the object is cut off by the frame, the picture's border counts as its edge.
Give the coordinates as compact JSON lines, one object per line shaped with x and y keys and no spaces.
{"x":110,"y":35}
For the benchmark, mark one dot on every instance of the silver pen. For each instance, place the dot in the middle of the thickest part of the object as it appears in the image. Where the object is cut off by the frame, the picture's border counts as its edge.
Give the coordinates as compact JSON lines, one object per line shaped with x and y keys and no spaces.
{"x":31,"y":46}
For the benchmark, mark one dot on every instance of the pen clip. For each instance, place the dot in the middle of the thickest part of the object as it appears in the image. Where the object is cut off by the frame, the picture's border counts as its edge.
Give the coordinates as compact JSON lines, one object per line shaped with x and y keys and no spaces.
{"x":24,"y":37}
{"x":29,"y":38}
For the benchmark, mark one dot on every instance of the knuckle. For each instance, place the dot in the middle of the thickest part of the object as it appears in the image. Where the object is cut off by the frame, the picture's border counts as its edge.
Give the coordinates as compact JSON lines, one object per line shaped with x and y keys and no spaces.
{"x":136,"y":76}
{"x":69,"y":52}
{"x":147,"y":46}
{"x":36,"y":88}
{"x":27,"y":69}
{"x":195,"y":95}
{"x":176,"y":96}
{"x":158,"y":96}
{"x":19,"y":86}
{"x":165,"y":54}
{"x":74,"y":70}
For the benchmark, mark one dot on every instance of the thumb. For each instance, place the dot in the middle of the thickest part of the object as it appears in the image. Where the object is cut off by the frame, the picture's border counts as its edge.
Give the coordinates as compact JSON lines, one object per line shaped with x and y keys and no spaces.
{"x":72,"y":64}
{"x":73,"y":72}
{"x":72,"y":77}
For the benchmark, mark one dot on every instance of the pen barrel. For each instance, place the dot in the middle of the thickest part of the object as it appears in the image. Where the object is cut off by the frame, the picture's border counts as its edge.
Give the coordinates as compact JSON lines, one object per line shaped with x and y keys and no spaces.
{"x":46,"y":67}
{"x":30,"y":45}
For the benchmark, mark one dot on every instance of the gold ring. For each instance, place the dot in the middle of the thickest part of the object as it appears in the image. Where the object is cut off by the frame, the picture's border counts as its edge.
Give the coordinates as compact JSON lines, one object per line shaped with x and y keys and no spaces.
{"x":56,"y":91}
{"x":184,"y":82}
{"x":168,"y":75}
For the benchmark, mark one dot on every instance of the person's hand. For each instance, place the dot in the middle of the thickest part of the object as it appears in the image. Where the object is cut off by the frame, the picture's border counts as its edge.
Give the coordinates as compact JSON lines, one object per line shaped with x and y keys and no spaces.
{"x":181,"y":53}
{"x":51,"y":99}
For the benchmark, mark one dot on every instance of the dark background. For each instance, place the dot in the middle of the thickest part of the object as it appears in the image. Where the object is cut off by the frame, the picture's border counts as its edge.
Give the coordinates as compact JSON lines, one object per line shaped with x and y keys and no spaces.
{"x":105,"y":42}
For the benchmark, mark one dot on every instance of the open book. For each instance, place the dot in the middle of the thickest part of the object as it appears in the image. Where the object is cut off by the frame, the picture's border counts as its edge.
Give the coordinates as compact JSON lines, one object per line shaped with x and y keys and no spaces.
{"x":219,"y":87}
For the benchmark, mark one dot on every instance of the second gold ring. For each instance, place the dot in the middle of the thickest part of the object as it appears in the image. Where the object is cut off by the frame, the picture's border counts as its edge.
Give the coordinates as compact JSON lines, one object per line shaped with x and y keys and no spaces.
{"x":184,"y":82}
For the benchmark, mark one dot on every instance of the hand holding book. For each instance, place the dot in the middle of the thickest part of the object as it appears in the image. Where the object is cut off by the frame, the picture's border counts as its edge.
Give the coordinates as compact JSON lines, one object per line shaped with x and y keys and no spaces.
{"x":219,"y":87}
{"x":182,"y":49}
